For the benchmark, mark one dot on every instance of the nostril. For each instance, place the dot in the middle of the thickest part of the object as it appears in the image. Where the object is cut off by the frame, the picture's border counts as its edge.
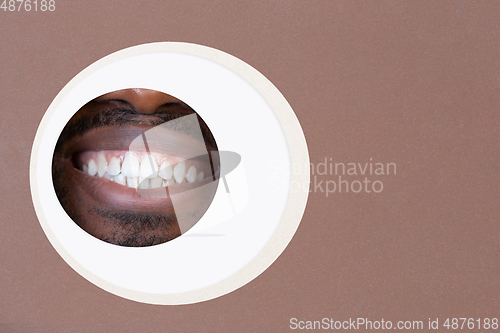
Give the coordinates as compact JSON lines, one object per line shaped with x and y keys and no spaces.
{"x":144,"y":101}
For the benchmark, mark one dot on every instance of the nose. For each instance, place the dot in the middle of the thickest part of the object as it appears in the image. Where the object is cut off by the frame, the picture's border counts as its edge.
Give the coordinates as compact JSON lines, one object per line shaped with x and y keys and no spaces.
{"x":144,"y":100}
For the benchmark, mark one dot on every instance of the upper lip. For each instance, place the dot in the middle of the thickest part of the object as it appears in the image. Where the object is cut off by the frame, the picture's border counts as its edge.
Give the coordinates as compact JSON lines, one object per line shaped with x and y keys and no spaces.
{"x":171,"y":143}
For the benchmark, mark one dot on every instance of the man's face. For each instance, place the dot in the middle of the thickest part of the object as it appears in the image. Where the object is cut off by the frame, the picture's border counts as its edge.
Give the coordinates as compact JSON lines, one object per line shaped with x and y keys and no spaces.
{"x":135,"y":167}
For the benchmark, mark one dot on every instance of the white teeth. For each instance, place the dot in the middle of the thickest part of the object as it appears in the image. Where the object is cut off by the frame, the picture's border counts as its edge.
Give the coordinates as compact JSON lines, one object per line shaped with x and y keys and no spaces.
{"x":180,"y":172}
{"x":107,"y":176}
{"x":114,"y":166}
{"x":168,"y":182}
{"x":143,"y":183}
{"x":155,"y":182}
{"x":191,"y":174}
{"x":165,"y":170}
{"x":102,"y":165}
{"x":133,"y":182}
{"x":92,"y":170}
{"x":120,"y":179}
{"x":145,"y":174}
{"x":130,"y":166}
{"x":149,"y":167}
{"x":200,"y":176}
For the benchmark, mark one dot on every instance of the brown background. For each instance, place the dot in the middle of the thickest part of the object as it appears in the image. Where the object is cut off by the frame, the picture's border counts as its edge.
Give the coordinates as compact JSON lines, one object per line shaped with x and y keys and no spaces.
{"x":410,"y":82}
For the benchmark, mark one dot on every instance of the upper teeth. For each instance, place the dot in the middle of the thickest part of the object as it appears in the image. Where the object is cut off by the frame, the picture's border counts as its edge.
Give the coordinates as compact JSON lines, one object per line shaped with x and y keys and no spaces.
{"x":149,"y":167}
{"x":102,"y":165}
{"x":129,"y":170}
{"x":165,"y":170}
{"x":180,"y":172}
{"x":114,"y":166}
{"x":191,"y":174}
{"x":92,"y":169}
{"x":130,"y":166}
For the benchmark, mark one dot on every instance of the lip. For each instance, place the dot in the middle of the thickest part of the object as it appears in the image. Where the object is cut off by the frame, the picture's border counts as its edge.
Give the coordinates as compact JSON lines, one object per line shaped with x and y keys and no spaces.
{"x":171,"y":143}
{"x":120,"y":197}
{"x":113,"y":195}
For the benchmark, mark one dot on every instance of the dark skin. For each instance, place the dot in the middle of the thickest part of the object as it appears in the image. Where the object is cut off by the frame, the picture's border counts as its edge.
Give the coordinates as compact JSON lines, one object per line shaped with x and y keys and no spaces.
{"x":118,"y":214}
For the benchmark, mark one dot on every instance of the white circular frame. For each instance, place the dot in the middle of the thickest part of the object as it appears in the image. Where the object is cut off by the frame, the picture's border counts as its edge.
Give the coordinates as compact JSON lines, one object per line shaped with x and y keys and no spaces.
{"x":246,"y":114}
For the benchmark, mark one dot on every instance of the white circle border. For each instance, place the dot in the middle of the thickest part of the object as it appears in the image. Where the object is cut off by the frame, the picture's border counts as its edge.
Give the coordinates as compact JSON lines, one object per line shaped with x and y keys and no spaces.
{"x":295,"y":206}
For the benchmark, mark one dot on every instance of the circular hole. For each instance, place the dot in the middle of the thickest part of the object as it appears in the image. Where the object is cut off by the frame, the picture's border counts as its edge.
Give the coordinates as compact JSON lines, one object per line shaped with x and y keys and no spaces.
{"x":136,"y":167}
{"x":254,"y":213}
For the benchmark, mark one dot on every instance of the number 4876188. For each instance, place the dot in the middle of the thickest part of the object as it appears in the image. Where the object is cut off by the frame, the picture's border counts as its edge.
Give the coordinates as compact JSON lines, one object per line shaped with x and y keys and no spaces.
{"x":28,"y":5}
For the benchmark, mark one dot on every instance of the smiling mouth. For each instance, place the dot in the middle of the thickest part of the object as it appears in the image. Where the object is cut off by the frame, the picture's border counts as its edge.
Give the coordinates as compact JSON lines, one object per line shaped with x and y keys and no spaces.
{"x":140,"y":179}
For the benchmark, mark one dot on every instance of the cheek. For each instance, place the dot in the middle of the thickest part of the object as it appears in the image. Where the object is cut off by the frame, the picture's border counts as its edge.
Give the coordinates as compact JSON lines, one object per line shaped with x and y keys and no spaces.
{"x":74,"y":201}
